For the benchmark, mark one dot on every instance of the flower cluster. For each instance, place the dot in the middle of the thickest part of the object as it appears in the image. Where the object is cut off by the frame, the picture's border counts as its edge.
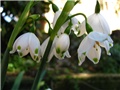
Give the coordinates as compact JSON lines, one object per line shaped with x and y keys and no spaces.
{"x":90,"y":45}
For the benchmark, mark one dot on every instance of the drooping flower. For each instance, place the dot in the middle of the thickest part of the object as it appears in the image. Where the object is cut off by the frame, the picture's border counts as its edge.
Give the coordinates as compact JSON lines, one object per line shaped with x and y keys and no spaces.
{"x":65,"y":25}
{"x":98,"y":23}
{"x":90,"y":46}
{"x":26,"y":43}
{"x":59,"y":47}
{"x":78,"y":29}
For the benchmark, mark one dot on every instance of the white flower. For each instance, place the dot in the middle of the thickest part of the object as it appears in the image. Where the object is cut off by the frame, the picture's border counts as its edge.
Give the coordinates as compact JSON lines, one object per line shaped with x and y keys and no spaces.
{"x":26,"y":43}
{"x":59,"y":47}
{"x":65,"y":25}
{"x":90,"y":46}
{"x":78,"y":29}
{"x":98,"y":23}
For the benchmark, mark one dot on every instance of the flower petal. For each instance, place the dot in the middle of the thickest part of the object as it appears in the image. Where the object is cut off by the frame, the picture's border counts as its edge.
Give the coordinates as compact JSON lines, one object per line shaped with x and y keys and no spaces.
{"x":24,"y":52}
{"x":34,"y":46}
{"x":59,"y":56}
{"x":104,"y":24}
{"x":84,"y":47}
{"x":107,"y":46}
{"x":78,"y":29}
{"x":22,"y":43}
{"x":57,"y":14}
{"x":62,"y":55}
{"x":43,"y":46}
{"x":81,"y":59}
{"x":75,"y":20}
{"x":63,"y":42}
{"x":98,"y":23}
{"x":14,"y":45}
{"x":97,"y":36}
{"x":67,"y":54}
{"x":94,"y":54}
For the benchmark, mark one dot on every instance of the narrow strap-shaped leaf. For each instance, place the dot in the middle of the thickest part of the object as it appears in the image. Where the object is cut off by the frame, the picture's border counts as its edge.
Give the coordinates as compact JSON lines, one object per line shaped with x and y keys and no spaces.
{"x":18,"y":81}
{"x":18,"y":26}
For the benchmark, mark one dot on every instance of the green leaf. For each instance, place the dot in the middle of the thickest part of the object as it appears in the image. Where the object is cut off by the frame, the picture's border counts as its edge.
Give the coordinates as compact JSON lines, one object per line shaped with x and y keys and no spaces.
{"x":18,"y":81}
{"x":41,"y":83}
{"x":20,"y":23}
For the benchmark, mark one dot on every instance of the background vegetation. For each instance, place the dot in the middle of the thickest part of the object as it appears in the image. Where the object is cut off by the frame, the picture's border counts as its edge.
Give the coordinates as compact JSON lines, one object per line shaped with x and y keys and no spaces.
{"x":56,"y":69}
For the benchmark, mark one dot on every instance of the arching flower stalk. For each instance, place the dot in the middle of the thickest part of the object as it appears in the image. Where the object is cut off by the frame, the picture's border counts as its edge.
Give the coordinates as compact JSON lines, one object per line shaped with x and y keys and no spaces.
{"x":98,"y":23}
{"x":26,"y":43}
{"x":65,"y":25}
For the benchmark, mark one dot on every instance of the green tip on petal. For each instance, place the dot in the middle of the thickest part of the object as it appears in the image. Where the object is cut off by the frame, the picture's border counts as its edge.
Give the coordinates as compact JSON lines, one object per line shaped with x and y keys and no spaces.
{"x":110,"y":45}
{"x":76,"y":27}
{"x":19,"y":47}
{"x":78,"y":32}
{"x":35,"y":57}
{"x":84,"y":53}
{"x":108,"y":53}
{"x":58,"y":50}
{"x":79,"y":61}
{"x":95,"y":60}
{"x":62,"y":55}
{"x":36,"y":51}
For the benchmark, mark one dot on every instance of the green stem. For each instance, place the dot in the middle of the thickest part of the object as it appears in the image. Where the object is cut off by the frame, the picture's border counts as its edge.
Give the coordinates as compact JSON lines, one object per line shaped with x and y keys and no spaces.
{"x":76,"y":15}
{"x":42,"y":67}
{"x":15,"y":32}
{"x":88,"y":27}
{"x":63,"y":16}
{"x":43,"y":18}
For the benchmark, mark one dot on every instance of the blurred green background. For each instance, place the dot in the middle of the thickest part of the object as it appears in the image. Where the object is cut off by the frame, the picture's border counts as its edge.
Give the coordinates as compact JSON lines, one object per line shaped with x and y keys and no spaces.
{"x":61,"y":74}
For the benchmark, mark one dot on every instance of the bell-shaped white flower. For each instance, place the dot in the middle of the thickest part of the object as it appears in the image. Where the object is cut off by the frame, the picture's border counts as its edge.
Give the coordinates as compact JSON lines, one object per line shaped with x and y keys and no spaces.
{"x":98,"y":23}
{"x":26,"y":43}
{"x":90,"y":46}
{"x":65,"y":25}
{"x":59,"y":47}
